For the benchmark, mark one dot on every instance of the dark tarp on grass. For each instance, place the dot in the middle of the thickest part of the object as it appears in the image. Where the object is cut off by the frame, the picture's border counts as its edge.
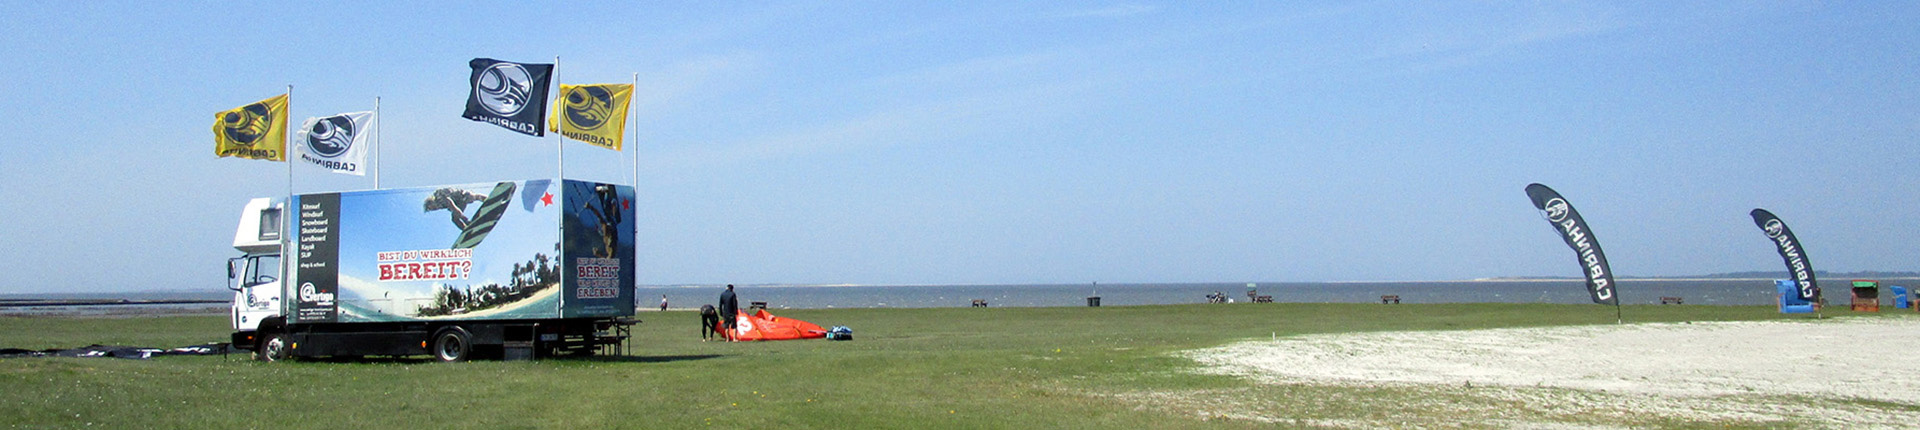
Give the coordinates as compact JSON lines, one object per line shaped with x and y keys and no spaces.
{"x":133,"y":352}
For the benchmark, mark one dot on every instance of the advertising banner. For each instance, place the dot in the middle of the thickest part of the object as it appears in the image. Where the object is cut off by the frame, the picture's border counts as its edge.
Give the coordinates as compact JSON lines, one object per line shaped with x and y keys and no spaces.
{"x":461,"y":252}
{"x":536,"y":249}
{"x":1586,"y":248}
{"x":599,"y":241}
{"x":1790,"y":251}
{"x":317,"y":255}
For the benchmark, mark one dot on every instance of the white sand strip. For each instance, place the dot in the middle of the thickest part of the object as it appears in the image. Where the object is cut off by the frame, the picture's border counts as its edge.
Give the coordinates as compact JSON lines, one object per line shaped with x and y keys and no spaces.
{"x":1859,"y":358}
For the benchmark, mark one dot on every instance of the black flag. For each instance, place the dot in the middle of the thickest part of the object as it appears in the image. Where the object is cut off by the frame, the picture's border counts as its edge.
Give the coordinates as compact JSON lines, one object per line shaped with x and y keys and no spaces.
{"x":1790,"y":251}
{"x":1586,"y":248}
{"x":510,"y":95}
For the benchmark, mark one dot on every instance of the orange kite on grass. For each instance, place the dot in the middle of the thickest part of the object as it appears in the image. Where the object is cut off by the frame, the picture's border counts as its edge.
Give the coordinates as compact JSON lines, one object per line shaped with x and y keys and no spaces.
{"x":764,"y":326}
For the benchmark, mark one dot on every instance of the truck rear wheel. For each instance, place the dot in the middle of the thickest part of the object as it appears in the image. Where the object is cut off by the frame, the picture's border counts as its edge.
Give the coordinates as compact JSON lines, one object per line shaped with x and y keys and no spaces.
{"x":452,"y":344}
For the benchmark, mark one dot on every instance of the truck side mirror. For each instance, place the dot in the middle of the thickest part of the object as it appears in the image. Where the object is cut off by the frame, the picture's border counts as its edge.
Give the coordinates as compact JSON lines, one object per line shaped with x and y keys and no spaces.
{"x":233,"y":265}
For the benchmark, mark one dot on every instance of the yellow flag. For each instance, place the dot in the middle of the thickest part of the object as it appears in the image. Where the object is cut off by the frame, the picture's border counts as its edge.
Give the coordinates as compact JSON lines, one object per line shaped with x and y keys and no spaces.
{"x":595,"y":114}
{"x":257,"y":131}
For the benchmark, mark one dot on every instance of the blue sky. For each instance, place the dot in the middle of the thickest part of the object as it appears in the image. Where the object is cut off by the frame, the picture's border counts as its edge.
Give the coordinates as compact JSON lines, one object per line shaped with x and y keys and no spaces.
{"x":1016,"y":142}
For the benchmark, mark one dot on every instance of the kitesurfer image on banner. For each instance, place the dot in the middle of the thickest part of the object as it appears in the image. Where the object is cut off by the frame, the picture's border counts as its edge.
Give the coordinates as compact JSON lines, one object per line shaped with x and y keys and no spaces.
{"x":454,"y":201}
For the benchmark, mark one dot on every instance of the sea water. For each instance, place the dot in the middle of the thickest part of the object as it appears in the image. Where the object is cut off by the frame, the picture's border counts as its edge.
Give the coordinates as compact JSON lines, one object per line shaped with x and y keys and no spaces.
{"x":1571,"y":291}
{"x":1693,"y":292}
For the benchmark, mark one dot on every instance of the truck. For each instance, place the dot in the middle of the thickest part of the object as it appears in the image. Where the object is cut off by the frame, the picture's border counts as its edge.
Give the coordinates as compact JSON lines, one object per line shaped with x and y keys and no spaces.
{"x":511,"y":269}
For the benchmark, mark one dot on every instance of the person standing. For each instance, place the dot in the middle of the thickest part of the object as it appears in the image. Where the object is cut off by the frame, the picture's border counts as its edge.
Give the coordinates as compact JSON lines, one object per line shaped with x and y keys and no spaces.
{"x":663,"y":302}
{"x":729,"y":310}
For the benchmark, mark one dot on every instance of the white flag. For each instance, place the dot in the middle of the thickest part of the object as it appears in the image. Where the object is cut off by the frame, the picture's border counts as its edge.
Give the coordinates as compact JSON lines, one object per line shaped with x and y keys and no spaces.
{"x":337,"y":143}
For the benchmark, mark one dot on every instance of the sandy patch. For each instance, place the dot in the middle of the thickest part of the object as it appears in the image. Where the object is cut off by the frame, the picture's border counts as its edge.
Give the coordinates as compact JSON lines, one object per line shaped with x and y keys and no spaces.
{"x":1827,"y":373}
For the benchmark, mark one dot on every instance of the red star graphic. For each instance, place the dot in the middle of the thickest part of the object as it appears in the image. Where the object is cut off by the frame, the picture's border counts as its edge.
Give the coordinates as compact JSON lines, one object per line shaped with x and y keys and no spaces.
{"x":626,"y":204}
{"x":546,"y":199}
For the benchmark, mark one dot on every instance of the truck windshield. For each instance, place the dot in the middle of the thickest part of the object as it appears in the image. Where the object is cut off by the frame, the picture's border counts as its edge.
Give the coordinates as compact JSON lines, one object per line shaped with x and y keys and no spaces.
{"x":262,"y":269}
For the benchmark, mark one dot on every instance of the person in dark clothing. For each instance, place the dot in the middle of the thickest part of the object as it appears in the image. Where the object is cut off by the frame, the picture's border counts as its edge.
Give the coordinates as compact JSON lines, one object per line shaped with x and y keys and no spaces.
{"x":729,"y":310}
{"x":709,"y":322}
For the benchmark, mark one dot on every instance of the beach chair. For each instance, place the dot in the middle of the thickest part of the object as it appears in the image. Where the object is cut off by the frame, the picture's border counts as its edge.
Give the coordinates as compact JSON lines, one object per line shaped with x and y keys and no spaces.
{"x":1790,"y":302}
{"x":1866,"y":296}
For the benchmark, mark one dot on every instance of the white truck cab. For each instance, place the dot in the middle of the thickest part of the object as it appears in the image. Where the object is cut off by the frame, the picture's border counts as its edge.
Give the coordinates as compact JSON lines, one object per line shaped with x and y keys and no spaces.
{"x":255,"y":277}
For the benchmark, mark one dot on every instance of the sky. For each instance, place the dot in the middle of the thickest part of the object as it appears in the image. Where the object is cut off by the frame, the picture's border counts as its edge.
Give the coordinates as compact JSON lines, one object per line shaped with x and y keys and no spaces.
{"x":876,"y":142}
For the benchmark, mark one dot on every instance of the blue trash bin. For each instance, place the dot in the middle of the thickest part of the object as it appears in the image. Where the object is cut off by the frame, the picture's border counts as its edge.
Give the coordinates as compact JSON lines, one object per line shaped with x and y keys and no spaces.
{"x":1899,"y":296}
{"x":1790,"y":302}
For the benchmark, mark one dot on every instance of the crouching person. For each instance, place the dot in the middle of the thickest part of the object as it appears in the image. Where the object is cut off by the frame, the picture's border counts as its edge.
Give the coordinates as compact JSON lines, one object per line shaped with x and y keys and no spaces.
{"x":709,"y":322}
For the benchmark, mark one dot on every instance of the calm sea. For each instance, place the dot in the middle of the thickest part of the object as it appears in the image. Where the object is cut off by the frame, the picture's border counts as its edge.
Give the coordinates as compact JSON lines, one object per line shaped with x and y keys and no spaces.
{"x":1694,"y":292}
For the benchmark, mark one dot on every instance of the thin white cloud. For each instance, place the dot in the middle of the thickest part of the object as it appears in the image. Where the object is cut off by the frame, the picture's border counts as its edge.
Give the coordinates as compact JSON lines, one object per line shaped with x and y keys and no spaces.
{"x":943,"y":120}
{"x":998,"y":70}
{"x":947,"y":101}
{"x":1437,"y":44}
{"x":663,"y":89}
{"x":1115,"y":11}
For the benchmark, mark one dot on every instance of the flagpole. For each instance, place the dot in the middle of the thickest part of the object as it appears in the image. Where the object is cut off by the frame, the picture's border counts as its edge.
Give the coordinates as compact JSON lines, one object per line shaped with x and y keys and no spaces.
{"x":284,"y":146}
{"x":559,"y":141}
{"x":636,"y":172}
{"x":636,"y":135}
{"x":376,"y":143}
{"x":288,"y":231}
{"x":1617,"y":319}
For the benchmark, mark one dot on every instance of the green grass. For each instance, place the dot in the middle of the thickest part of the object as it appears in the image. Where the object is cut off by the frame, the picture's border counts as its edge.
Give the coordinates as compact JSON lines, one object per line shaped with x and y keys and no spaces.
{"x":907,"y":368}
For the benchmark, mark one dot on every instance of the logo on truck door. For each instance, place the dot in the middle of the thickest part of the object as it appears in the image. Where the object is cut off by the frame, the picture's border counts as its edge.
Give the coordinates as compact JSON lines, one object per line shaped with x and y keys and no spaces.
{"x":310,"y":294}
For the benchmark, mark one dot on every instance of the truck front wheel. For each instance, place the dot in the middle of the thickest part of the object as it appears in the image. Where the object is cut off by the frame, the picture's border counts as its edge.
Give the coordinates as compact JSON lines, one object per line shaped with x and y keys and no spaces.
{"x":273,"y":347}
{"x":452,"y":344}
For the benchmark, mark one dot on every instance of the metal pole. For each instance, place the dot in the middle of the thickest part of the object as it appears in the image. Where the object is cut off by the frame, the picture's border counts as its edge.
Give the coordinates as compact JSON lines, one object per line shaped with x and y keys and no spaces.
{"x":635,"y":123}
{"x":376,"y":143}
{"x":635,"y":143}
{"x":560,"y":147}
{"x":1617,"y":318}
{"x":559,"y":142}
{"x":287,"y":211}
{"x":284,"y":146}
{"x":1819,"y":309}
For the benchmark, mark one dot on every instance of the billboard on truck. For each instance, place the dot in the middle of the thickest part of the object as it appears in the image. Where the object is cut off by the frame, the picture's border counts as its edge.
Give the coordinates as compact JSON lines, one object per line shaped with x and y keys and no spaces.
{"x":598,"y":243}
{"x":534,"y":249}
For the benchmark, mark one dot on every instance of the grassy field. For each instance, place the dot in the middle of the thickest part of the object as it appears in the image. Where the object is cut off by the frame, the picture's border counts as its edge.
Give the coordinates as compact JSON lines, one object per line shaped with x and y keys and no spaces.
{"x":1111,"y":367}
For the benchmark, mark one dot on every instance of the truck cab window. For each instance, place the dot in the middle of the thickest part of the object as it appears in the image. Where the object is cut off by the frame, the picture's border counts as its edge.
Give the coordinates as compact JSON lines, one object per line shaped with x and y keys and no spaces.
{"x":262,"y":269}
{"x":270,"y":224}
